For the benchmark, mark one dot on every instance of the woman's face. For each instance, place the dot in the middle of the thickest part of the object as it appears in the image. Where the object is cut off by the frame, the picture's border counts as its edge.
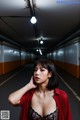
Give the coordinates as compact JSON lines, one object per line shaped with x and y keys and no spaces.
{"x":41,"y":74}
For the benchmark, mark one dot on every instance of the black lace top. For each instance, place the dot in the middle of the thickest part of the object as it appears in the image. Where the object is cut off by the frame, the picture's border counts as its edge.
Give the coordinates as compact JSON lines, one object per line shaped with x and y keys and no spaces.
{"x":33,"y":115}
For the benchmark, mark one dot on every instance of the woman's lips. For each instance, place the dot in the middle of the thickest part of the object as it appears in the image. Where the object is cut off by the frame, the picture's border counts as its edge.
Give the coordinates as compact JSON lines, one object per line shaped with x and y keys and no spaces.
{"x":36,"y":78}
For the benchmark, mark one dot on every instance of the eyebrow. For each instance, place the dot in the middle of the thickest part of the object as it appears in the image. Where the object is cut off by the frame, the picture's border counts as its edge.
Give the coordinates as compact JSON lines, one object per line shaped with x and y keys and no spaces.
{"x":41,"y":67}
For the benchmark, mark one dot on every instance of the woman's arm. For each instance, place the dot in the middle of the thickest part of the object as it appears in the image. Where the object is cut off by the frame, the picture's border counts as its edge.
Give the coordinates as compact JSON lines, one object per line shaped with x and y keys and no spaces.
{"x":14,"y":98}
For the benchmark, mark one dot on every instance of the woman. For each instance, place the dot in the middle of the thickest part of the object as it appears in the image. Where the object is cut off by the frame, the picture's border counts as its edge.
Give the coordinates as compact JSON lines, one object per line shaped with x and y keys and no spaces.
{"x":40,"y":98}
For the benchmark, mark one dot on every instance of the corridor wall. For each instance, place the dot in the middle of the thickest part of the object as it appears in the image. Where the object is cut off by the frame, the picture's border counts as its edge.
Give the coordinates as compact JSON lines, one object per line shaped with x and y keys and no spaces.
{"x":11,"y":57}
{"x":67,"y":57}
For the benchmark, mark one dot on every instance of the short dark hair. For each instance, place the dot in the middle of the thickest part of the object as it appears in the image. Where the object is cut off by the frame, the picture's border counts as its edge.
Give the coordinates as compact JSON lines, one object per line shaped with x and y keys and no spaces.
{"x":48,"y":64}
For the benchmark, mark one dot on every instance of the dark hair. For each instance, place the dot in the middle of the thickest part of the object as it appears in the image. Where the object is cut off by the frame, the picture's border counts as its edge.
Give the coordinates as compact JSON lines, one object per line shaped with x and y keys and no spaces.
{"x":53,"y":82}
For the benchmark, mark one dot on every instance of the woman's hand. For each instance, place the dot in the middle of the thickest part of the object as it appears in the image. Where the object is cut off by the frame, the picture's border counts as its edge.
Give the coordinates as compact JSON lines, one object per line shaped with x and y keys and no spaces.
{"x":31,"y":83}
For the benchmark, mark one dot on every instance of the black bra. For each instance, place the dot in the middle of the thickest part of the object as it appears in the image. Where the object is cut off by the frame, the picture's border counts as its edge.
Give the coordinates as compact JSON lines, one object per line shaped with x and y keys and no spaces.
{"x":33,"y":115}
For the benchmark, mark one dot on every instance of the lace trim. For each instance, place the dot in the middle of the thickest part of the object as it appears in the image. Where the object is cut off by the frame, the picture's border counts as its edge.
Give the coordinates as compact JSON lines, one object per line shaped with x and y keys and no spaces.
{"x":35,"y":116}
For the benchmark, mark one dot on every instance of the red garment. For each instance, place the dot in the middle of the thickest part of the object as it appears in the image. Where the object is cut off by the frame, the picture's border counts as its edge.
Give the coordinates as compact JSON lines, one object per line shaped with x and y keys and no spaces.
{"x":60,"y":97}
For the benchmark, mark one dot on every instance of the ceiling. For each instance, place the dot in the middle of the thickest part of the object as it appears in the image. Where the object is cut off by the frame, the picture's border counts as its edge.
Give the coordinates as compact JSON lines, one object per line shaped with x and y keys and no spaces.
{"x":57,"y":20}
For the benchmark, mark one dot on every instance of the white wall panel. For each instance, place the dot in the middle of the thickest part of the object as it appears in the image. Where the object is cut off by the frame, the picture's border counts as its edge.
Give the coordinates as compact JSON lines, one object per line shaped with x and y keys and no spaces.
{"x":24,"y":55}
{"x":60,"y":55}
{"x":11,"y":54}
{"x":70,"y":55}
{"x":1,"y":54}
{"x":55,"y":55}
{"x":8,"y":54}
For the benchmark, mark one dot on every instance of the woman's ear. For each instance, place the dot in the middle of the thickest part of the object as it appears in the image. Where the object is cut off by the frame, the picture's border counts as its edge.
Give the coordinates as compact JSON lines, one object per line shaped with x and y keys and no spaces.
{"x":50,"y":75}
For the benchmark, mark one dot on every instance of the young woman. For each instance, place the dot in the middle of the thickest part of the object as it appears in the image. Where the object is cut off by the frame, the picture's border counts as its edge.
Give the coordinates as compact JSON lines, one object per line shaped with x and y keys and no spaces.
{"x":40,"y":98}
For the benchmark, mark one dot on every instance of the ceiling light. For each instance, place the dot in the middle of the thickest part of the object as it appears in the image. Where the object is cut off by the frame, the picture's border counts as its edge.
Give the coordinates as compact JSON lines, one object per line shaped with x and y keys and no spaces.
{"x":33,"y":20}
{"x":41,"y":42}
{"x":40,"y":51}
{"x":37,"y":50}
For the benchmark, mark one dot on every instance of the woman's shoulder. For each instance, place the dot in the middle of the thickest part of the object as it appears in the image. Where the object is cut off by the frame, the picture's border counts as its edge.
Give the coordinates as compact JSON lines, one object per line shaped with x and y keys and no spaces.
{"x":30,"y":92}
{"x":27,"y":95}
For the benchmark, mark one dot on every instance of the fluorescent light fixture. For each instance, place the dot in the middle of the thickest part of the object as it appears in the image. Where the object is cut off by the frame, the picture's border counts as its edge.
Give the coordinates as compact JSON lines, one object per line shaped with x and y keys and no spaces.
{"x":33,"y":20}
{"x":40,"y":51}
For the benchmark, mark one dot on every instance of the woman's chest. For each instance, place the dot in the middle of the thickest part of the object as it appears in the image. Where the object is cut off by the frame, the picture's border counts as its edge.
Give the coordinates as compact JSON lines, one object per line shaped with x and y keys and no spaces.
{"x":43,"y":105}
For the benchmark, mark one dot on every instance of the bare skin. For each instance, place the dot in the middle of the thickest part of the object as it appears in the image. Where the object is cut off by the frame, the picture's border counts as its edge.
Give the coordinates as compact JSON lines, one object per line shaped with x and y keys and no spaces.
{"x":14,"y":98}
{"x":42,"y":101}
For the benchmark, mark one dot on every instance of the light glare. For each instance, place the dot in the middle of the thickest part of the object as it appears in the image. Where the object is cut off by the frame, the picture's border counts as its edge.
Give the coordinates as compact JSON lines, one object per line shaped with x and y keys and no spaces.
{"x":41,"y":42}
{"x":33,"y":20}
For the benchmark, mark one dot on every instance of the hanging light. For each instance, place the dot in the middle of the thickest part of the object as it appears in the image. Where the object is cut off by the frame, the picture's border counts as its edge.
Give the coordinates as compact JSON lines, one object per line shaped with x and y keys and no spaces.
{"x":41,"y":42}
{"x":33,"y":20}
{"x":37,"y":50}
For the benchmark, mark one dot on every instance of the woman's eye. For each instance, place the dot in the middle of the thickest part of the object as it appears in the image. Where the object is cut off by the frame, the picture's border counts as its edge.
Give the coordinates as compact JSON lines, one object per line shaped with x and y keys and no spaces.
{"x":35,"y":69}
{"x":42,"y":70}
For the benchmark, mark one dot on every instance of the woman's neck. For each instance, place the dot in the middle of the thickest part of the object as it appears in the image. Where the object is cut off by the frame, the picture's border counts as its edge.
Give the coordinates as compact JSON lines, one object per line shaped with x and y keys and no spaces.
{"x":42,"y":89}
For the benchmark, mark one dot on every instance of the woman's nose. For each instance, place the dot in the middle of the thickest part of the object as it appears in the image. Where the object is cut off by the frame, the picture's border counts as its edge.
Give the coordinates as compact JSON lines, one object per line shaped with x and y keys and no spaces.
{"x":38,"y":71}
